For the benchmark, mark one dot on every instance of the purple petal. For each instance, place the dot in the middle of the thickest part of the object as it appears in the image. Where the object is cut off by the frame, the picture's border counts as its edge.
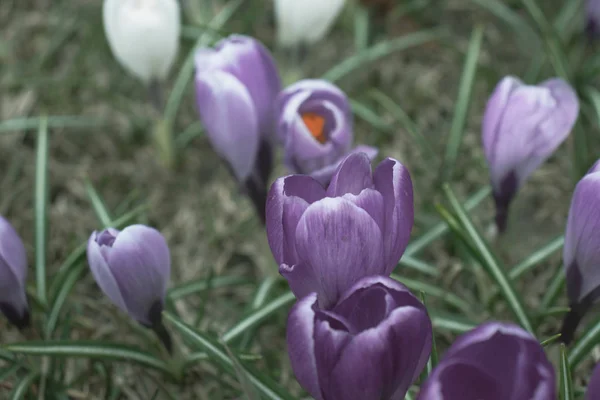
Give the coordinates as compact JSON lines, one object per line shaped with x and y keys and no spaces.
{"x":593,"y":388}
{"x":323,"y":175}
{"x":318,"y":89}
{"x":371,"y":201}
{"x":342,"y":243}
{"x":12,"y":256}
{"x":301,"y":278}
{"x":352,"y":176}
{"x":230,"y":119}
{"x":300,"y":342}
{"x":393,"y":181}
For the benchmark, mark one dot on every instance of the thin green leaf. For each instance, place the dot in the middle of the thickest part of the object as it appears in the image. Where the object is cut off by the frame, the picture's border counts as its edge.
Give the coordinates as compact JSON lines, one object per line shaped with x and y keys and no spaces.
{"x":247,"y":388}
{"x":434,"y":291}
{"x":583,"y":347}
{"x":20,"y":390}
{"x":258,"y":316}
{"x":378,"y":51}
{"x":550,"y":340}
{"x":99,"y":206}
{"x":89,"y":349}
{"x":41,"y":203}
{"x":462,"y":104}
{"x":566,"y":382}
{"x":452,"y":323}
{"x":193,"y":131}
{"x":65,"y":288}
{"x":194,"y":287}
{"x":490,"y":264}
{"x":419,"y":265}
{"x":536,"y":258}
{"x":593,"y":95}
{"x":369,"y":116}
{"x":433,"y":358}
{"x":512,"y":18}
{"x":26,"y":124}
{"x":556,"y":285}
{"x":265,"y":386}
{"x":361,"y":28}
{"x":8,"y":371}
{"x":551,"y":312}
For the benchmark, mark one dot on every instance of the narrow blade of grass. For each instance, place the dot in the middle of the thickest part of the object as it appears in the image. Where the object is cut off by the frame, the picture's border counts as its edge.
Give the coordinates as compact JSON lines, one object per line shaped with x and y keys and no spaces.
{"x":510,"y":17}
{"x":65,"y":288}
{"x":565,"y":379}
{"x":370,"y":117}
{"x":20,"y":390}
{"x":98,"y":204}
{"x":451,"y":323}
{"x":63,"y":122}
{"x":554,"y":288}
{"x":536,"y":258}
{"x":189,"y":288}
{"x":418,"y":265}
{"x":550,"y":340}
{"x":434,"y":291}
{"x":463,"y":103}
{"x":41,"y":204}
{"x":361,"y":28}
{"x":583,"y":347}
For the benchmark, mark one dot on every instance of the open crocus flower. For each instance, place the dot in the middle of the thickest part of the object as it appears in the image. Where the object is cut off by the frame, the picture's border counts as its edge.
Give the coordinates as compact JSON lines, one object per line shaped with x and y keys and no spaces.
{"x":494,"y":361}
{"x":593,"y":388}
{"x":372,"y":345}
{"x":522,"y":126}
{"x":326,"y":240}
{"x":236,"y":86}
{"x":13,"y":274}
{"x":581,"y":252}
{"x":315,"y":126}
{"x":306,"y":21}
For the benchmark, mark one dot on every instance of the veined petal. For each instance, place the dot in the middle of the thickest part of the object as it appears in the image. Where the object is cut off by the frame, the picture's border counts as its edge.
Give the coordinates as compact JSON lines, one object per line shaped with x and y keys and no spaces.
{"x":352,"y":176}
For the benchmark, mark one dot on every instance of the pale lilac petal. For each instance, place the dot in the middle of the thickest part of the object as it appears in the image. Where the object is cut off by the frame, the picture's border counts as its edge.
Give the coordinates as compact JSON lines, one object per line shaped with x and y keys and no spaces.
{"x":301,"y":278}
{"x":352,"y":176}
{"x":323,"y":175}
{"x":371,"y":201}
{"x":12,"y":253}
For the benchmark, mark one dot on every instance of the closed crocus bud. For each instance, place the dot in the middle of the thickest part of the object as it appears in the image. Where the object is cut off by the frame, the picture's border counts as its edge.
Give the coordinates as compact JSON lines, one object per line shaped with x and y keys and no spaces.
{"x":306,"y":21}
{"x":581,"y":252}
{"x":13,"y":273}
{"x":236,"y":86}
{"x":143,"y":35}
{"x":495,"y":361}
{"x":132,"y":267}
{"x":372,"y":345}
{"x":327,"y":240}
{"x":522,"y":126}
{"x":592,"y":13}
{"x":593,"y":388}
{"x":315,"y":126}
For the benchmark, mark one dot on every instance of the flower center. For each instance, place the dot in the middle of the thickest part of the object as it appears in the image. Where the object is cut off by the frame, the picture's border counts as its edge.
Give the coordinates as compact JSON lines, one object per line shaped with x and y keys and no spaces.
{"x":316,"y":126}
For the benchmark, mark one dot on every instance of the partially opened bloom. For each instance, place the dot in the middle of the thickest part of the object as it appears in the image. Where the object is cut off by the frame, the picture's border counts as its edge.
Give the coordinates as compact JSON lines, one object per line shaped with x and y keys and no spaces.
{"x":236,"y":86}
{"x":132,"y":267}
{"x":143,"y":35}
{"x":593,"y":388}
{"x":327,"y":240}
{"x":581,"y":252}
{"x":495,"y":361}
{"x":306,"y":21}
{"x":372,"y":345}
{"x":522,"y":126}
{"x":315,"y":126}
{"x":13,"y":273}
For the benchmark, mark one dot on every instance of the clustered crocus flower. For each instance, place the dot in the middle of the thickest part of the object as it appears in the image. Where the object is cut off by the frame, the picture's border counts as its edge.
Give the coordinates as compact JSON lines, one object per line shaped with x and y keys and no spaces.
{"x":581,"y":257}
{"x":133,"y":267}
{"x":13,"y":274}
{"x":315,"y":127}
{"x":495,"y":361}
{"x":326,"y":240}
{"x":372,"y":345}
{"x":236,"y":86}
{"x":522,"y":126}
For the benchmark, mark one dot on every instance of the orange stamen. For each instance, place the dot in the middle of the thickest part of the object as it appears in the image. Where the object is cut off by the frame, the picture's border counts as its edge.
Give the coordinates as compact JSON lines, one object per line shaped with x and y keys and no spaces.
{"x":316,"y":126}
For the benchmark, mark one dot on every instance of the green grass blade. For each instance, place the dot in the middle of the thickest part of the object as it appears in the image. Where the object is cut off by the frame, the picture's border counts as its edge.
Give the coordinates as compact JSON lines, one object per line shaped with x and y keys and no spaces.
{"x":434,"y":291}
{"x":378,"y":51}
{"x":194,"y":287}
{"x":89,"y":349}
{"x":490,"y":264}
{"x":451,"y":323}
{"x":565,"y":379}
{"x":550,"y":340}
{"x":536,"y":258}
{"x":65,"y":288}
{"x":583,"y":347}
{"x":20,"y":390}
{"x":62,"y":122}
{"x":418,"y":265}
{"x":99,"y":206}
{"x":41,"y":204}
{"x":463,"y":103}
{"x":361,"y":28}
{"x":510,"y":17}
{"x":556,"y":285}
{"x":370,"y":117}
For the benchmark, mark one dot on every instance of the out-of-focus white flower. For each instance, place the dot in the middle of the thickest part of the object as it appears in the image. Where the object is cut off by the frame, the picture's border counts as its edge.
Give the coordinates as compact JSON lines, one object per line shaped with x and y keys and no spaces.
{"x":143,"y":35}
{"x":305,"y":21}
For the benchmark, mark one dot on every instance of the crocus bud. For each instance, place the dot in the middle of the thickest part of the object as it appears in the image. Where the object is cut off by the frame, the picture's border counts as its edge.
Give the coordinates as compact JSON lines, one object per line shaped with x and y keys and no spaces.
{"x":592,"y":13}
{"x":306,"y":21}
{"x":315,"y":126}
{"x":13,"y":273}
{"x":372,"y":345}
{"x":522,"y":126}
{"x":132,"y":267}
{"x":495,"y":361}
{"x":593,"y":388}
{"x":143,"y":35}
{"x":236,"y":86}
{"x":580,"y":253}
{"x":327,"y":240}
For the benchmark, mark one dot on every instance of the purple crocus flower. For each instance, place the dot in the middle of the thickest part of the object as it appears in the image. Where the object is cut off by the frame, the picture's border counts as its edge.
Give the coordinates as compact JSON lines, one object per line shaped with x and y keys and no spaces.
{"x":315,"y":126}
{"x":132,"y":267}
{"x":236,"y":86}
{"x":495,"y":361}
{"x":581,"y":252}
{"x":326,"y":240}
{"x":13,"y":274}
{"x":593,"y":388}
{"x":592,"y":13}
{"x":372,"y":345}
{"x":522,"y":126}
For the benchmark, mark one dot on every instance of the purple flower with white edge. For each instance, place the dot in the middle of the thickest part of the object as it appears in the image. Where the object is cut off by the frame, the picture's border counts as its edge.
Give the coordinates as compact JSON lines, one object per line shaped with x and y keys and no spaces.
{"x":372,"y":345}
{"x":593,"y":388}
{"x":581,"y":251}
{"x":495,"y":361}
{"x":132,"y":267}
{"x":315,"y":126}
{"x":13,"y":274}
{"x":522,"y":126}
{"x":327,"y":240}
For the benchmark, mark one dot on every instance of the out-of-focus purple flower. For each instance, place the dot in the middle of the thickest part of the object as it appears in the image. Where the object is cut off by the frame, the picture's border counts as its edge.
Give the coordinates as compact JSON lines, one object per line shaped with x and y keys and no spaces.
{"x":326,"y":240}
{"x":593,"y":388}
{"x":315,"y":126}
{"x":13,"y":274}
{"x":132,"y":267}
{"x":522,"y":126}
{"x":592,"y":13}
{"x":372,"y":345}
{"x":495,"y":361}
{"x":581,"y":252}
